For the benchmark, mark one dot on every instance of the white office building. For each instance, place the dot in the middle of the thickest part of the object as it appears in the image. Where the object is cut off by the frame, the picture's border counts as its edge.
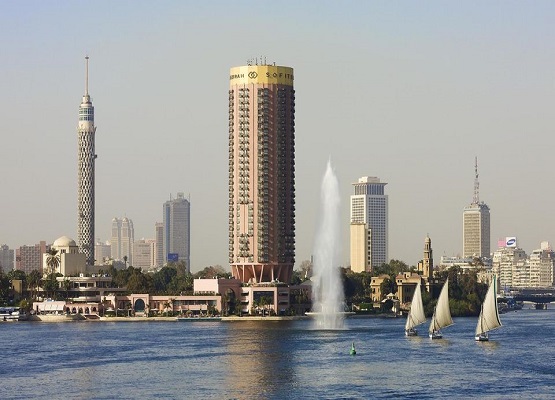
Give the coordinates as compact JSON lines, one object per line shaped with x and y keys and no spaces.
{"x":369,"y":224}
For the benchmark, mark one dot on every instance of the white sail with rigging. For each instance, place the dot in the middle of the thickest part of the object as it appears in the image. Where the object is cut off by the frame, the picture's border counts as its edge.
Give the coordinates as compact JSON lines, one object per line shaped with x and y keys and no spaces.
{"x":442,"y":314}
{"x":416,"y":314}
{"x":489,"y":314}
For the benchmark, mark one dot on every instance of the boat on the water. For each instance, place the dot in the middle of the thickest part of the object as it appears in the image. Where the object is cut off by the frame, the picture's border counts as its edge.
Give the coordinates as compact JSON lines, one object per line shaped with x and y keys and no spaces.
{"x":489,"y":314}
{"x":12,"y":314}
{"x":416,"y":314}
{"x":442,"y":314}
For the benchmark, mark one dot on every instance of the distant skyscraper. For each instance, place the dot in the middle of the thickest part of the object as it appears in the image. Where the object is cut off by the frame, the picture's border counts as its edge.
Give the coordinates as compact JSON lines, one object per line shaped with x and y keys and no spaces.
{"x":261,"y":173}
{"x":123,"y":236}
{"x":476,"y":224}
{"x":115,"y":240}
{"x":127,"y":239}
{"x":102,"y":252}
{"x":143,"y":253}
{"x":177,"y":229}
{"x":29,"y":258}
{"x":159,"y":253}
{"x":85,"y":167}
{"x":6,"y":258}
{"x":369,"y":224}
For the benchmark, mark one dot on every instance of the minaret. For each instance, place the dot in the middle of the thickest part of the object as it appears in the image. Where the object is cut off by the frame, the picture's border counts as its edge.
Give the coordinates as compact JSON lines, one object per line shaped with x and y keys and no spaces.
{"x":428,"y":260}
{"x":85,"y":169}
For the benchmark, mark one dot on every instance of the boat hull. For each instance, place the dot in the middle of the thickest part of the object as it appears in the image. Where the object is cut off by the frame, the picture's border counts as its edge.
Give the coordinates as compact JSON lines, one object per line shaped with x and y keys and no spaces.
{"x":411,"y":332}
{"x":483,"y":337}
{"x":435,"y":335}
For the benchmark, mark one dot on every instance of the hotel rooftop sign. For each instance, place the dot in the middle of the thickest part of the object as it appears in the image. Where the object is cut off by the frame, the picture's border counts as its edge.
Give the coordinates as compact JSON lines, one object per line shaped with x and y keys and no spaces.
{"x":261,"y":74}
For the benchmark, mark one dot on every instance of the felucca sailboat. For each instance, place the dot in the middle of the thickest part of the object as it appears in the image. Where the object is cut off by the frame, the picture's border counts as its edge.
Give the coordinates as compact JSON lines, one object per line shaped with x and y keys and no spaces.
{"x":489,"y":314}
{"x":416,"y":314}
{"x":442,"y":315}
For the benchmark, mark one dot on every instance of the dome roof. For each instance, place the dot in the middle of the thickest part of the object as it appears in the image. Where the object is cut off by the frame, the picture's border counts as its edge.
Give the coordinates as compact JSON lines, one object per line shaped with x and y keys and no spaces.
{"x":64,"y":241}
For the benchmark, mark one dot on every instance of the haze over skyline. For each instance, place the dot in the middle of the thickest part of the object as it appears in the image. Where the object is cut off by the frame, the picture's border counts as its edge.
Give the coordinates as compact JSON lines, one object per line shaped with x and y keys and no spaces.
{"x":407,"y":93}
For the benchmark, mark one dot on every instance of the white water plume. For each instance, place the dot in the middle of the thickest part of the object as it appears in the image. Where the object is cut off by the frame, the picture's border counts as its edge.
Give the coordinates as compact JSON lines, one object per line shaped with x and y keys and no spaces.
{"x":327,"y":288}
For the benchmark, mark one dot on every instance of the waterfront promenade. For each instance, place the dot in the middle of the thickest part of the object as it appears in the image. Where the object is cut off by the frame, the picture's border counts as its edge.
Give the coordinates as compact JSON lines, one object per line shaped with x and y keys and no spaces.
{"x":81,"y":318}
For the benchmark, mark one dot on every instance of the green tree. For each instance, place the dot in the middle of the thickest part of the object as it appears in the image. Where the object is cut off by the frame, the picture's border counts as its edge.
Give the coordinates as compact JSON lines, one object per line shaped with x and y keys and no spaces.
{"x":33,"y":282}
{"x":162,"y":278}
{"x":211,"y":272}
{"x":18,"y":275}
{"x":52,"y":261}
{"x":50,"y":286}
{"x":66,"y":285}
{"x":139,"y":282}
{"x":387,"y":286}
{"x":4,"y":289}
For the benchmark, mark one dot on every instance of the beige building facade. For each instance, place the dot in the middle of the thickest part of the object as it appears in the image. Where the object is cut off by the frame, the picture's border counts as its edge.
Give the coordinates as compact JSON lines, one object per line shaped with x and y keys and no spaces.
{"x":261,"y":173}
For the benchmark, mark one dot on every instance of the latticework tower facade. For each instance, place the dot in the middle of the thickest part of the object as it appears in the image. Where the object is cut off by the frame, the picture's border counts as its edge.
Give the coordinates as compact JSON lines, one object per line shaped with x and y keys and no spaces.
{"x":85,"y":167}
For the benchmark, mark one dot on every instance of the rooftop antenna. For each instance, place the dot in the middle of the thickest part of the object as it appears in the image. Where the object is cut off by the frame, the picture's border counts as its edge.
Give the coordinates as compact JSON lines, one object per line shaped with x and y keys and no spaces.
{"x":86,"y":75}
{"x":476,"y":198}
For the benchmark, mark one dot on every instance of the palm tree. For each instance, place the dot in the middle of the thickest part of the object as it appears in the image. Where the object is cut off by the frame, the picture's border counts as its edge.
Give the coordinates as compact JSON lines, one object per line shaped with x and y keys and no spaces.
{"x":33,"y":281}
{"x":52,"y":261}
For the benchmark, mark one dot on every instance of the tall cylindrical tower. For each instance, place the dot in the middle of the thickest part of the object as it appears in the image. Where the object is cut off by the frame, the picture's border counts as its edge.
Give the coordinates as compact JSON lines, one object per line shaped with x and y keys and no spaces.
{"x":85,"y":168}
{"x":261,"y":173}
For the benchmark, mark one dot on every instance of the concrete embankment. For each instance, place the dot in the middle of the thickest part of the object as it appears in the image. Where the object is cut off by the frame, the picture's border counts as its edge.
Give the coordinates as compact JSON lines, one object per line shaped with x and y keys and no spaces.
{"x":79,"y":317}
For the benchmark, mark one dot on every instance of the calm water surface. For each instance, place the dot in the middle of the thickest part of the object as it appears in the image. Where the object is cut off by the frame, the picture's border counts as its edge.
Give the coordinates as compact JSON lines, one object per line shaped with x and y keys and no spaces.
{"x":276,"y":360}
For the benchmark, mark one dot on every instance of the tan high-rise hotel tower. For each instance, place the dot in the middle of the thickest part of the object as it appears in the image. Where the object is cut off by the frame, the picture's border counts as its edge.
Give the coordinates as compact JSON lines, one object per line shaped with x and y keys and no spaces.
{"x":261,"y":173}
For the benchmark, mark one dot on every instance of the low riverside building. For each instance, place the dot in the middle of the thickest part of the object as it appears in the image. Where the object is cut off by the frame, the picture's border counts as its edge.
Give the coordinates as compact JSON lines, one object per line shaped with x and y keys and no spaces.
{"x":376,"y":287}
{"x":71,"y":261}
{"x":92,"y":294}
{"x":406,"y":284}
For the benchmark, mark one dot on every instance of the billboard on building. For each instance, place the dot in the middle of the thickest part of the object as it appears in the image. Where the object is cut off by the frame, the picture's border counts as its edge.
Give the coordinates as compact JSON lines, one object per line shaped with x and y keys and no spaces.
{"x":173,"y":257}
{"x":510,"y":241}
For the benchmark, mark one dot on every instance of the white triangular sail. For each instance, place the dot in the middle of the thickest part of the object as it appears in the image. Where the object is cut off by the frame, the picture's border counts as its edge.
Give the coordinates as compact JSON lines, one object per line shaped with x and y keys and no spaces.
{"x":489,"y":315}
{"x":416,"y":314}
{"x":442,"y":315}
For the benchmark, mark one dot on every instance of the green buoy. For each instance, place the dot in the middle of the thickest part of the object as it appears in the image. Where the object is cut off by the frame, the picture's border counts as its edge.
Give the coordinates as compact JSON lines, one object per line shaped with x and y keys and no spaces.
{"x":353,"y":351}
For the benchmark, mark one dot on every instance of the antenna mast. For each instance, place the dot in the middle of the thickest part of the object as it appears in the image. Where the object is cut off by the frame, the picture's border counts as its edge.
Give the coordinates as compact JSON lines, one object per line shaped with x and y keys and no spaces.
{"x":86,"y":75}
{"x":476,"y":198}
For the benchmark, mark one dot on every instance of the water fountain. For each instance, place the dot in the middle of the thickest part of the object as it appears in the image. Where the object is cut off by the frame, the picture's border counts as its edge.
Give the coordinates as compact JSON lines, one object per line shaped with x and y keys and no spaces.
{"x":327,"y":289}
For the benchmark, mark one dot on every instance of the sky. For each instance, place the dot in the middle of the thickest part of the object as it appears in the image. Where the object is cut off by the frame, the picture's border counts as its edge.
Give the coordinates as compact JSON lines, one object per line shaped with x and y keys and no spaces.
{"x":409,"y":92}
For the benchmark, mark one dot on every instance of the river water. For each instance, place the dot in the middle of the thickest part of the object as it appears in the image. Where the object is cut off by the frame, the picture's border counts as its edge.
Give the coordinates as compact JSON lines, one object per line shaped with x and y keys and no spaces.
{"x":276,"y":360}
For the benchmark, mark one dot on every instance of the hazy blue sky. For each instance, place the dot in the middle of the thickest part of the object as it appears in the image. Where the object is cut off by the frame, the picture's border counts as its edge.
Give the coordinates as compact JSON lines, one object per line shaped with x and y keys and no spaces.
{"x":406,"y":91}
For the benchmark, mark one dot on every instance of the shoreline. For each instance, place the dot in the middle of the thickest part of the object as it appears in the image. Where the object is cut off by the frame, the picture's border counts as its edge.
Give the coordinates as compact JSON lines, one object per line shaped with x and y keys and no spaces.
{"x":82,"y":318}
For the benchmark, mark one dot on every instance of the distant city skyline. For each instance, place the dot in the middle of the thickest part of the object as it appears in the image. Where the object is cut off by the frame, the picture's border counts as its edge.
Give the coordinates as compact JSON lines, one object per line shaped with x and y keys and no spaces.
{"x":407,"y":93}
